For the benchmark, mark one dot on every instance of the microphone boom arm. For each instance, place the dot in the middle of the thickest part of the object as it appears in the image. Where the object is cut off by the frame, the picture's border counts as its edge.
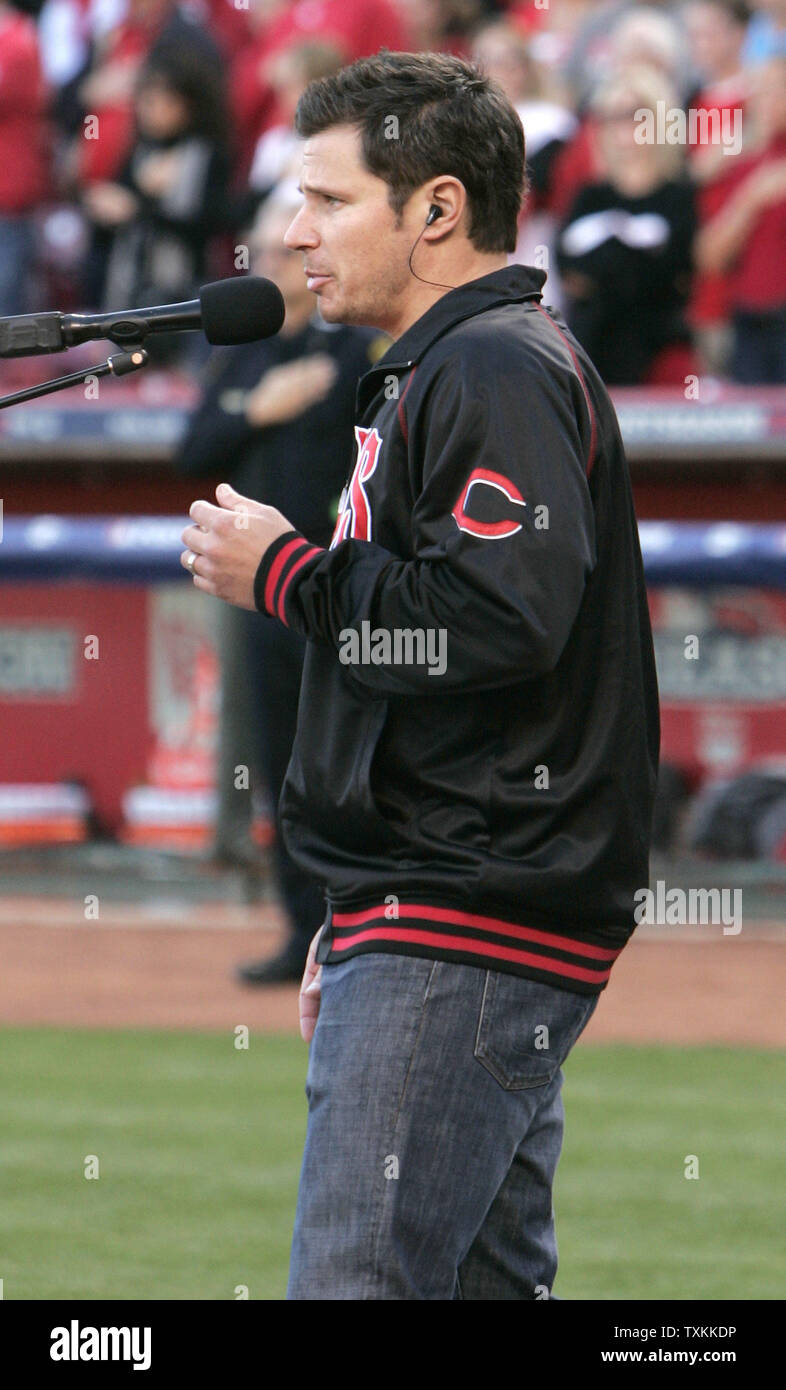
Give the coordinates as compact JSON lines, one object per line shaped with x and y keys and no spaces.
{"x":119,"y":364}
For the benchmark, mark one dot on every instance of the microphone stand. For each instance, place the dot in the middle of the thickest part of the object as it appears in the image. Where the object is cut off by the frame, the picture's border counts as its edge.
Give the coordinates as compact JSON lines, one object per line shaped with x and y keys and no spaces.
{"x":119,"y":364}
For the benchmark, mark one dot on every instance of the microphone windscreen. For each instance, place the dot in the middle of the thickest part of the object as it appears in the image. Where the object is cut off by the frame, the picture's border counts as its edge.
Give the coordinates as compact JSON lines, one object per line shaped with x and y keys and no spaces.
{"x":241,"y":309}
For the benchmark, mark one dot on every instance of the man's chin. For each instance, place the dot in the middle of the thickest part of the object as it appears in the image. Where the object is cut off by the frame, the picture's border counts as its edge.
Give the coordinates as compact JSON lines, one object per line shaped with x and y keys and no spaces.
{"x":331,"y":313}
{"x":333,"y":307}
{"x":338,"y":311}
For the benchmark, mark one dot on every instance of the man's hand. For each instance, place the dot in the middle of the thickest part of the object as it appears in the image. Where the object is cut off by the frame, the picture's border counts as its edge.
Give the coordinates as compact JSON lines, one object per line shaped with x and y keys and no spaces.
{"x":290,"y":389}
{"x":310,"y":991}
{"x":228,"y":542}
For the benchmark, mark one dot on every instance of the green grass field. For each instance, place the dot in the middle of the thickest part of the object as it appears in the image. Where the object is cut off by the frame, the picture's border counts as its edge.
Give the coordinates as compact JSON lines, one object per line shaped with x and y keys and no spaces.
{"x":199,"y":1148}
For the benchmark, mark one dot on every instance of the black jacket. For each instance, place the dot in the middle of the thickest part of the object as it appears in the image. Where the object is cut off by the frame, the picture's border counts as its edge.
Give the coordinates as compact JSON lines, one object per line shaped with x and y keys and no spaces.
{"x":497,"y":813}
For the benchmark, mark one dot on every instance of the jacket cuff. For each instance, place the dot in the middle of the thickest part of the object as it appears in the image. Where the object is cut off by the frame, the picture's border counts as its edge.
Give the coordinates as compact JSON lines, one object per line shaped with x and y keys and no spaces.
{"x":280,"y":563}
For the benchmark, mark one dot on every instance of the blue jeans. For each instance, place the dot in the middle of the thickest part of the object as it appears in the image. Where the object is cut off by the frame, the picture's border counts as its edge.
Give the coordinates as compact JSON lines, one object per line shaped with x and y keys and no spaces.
{"x":434,"y":1131}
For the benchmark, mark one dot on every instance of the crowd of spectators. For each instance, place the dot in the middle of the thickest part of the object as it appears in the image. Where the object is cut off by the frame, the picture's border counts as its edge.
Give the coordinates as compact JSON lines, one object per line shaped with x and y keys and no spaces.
{"x":139,"y":138}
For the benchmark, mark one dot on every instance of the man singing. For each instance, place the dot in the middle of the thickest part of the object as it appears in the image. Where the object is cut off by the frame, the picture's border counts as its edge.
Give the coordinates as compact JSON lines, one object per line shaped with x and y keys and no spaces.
{"x":480,"y":822}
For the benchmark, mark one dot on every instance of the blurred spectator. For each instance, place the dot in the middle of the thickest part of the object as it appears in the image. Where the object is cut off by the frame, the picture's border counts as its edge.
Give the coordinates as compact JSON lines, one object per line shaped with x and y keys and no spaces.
{"x":169,"y":198}
{"x":252,"y":99}
{"x":276,"y":420}
{"x":766,"y":36}
{"x":290,"y":72}
{"x":745,"y":239}
{"x":23,"y":154}
{"x":444,"y":26}
{"x":622,"y":33}
{"x":716,"y":32}
{"x":624,"y":250}
{"x":632,"y":36}
{"x":357,"y":27}
{"x":504,"y":53}
{"x":586,"y":55}
{"x":226,"y":21}
{"x":574,"y":164}
{"x":548,"y":122}
{"x":353,"y":27}
{"x":95,"y":110}
{"x":652,"y":38}
{"x":66,"y":30}
{"x":553,"y":32}
{"x":104,"y":116}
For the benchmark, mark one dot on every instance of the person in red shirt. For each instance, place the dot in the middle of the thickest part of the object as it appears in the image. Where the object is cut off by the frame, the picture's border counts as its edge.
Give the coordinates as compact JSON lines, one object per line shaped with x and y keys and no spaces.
{"x":746,"y":237}
{"x":151,"y":30}
{"x":107,"y":87}
{"x":228,"y":24}
{"x":169,"y":199}
{"x":24,"y":165}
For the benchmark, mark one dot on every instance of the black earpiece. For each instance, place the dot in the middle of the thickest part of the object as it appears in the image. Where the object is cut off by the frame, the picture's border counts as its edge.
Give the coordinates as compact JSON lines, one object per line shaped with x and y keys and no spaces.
{"x":433,"y":213}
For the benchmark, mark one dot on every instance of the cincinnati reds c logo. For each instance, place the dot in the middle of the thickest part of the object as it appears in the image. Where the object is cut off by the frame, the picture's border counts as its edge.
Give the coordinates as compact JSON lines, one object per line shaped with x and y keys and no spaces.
{"x":487,"y":530}
{"x":354,"y":517}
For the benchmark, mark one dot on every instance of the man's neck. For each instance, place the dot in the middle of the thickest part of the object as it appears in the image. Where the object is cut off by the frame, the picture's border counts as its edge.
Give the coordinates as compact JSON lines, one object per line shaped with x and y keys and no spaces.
{"x":423,"y":296}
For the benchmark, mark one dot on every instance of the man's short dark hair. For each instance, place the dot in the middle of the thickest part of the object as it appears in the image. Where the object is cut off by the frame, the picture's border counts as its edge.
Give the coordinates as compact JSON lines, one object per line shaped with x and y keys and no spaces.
{"x":425,"y":114}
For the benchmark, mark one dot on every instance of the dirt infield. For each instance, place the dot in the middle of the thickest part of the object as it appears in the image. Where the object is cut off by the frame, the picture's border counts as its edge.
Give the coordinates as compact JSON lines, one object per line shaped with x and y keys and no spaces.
{"x":144,"y":967}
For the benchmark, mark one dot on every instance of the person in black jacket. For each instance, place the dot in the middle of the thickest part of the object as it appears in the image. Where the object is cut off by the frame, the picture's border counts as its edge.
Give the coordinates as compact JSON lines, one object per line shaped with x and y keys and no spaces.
{"x":474,"y":769}
{"x":625,"y":248}
{"x":170,"y":196}
{"x":276,"y":417}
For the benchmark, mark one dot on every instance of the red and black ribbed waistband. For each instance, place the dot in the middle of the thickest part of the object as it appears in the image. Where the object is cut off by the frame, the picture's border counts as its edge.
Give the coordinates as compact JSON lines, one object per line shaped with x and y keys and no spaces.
{"x":444,"y":933}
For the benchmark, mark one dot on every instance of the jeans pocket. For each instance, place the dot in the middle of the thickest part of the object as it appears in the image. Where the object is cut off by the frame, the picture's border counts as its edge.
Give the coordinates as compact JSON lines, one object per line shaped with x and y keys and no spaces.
{"x":526,"y":1029}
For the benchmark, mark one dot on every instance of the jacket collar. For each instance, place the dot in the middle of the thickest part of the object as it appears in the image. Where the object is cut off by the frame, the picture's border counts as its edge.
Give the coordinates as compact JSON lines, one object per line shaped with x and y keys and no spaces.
{"x":511,"y":285}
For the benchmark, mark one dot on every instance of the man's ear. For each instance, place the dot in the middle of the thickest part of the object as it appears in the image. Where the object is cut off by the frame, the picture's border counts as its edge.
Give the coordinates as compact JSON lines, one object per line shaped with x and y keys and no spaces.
{"x":449,"y":196}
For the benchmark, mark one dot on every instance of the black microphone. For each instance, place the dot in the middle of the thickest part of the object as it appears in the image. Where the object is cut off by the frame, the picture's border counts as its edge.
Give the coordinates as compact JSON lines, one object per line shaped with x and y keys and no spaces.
{"x":241,"y":309}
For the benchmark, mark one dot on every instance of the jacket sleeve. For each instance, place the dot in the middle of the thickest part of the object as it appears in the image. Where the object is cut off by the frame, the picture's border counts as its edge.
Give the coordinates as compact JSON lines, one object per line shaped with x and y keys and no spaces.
{"x":503,"y":540}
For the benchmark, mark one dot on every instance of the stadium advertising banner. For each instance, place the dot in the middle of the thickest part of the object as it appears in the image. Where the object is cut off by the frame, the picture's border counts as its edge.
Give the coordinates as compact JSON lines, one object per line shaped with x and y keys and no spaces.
{"x":80,"y":587}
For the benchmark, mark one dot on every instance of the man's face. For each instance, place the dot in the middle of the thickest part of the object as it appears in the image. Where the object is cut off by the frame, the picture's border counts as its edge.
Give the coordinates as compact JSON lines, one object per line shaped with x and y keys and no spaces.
{"x":355,"y":254}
